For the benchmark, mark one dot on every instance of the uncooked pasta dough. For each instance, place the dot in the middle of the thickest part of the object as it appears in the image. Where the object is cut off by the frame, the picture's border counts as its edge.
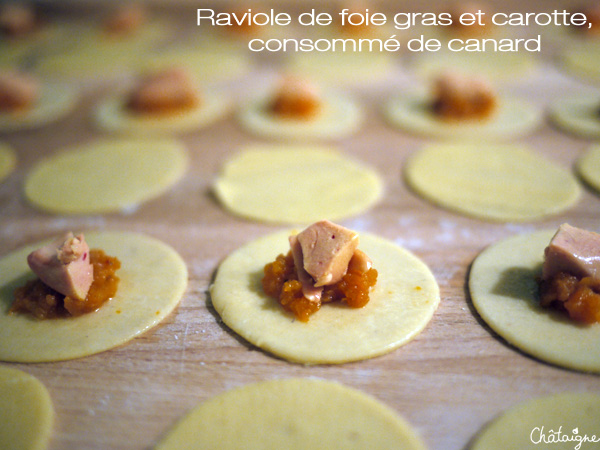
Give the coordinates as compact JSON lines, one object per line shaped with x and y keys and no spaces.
{"x":8,"y":160}
{"x":588,"y":167}
{"x":582,"y":60}
{"x":578,"y":115}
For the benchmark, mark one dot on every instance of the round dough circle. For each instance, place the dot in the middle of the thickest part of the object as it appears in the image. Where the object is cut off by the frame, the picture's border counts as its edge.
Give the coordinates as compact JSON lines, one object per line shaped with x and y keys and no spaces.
{"x":278,"y":184}
{"x":588,"y":166}
{"x":8,"y":160}
{"x":513,"y":118}
{"x":505,"y":293}
{"x":55,"y":102}
{"x":491,"y":181}
{"x":579,"y":115}
{"x":26,"y":413}
{"x":402,"y":303}
{"x":153,"y":280}
{"x":582,"y":60}
{"x":575,"y":414}
{"x":105,"y":175}
{"x":112,"y":115}
{"x":339,"y":117}
{"x":293,"y":414}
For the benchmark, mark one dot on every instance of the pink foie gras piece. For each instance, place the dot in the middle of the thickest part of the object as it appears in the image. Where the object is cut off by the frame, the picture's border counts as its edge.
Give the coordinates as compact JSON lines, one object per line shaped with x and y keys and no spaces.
{"x":64,"y":265}
{"x":572,"y":250}
{"x":309,"y":290}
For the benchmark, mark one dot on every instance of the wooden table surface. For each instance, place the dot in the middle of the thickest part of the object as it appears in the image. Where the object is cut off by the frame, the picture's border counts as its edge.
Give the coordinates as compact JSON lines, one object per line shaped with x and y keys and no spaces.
{"x":448,"y":383}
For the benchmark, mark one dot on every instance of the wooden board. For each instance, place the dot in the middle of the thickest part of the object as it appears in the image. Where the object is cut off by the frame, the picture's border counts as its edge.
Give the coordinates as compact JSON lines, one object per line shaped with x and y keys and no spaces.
{"x":449,"y":382}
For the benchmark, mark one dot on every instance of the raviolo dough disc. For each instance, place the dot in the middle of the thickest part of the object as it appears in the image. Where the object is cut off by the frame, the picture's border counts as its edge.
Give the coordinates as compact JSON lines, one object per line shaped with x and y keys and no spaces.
{"x":292,"y":414}
{"x":105,"y":176}
{"x":339,"y":117}
{"x":583,"y":61}
{"x":153,"y":279}
{"x":54,"y":103}
{"x":534,"y":423}
{"x":505,"y":293}
{"x":579,"y":115}
{"x":278,"y":184}
{"x":511,"y":119}
{"x":401,"y":304}
{"x":588,"y":167}
{"x":26,"y":413}
{"x":113,"y":116}
{"x":8,"y":160}
{"x":491,"y":181}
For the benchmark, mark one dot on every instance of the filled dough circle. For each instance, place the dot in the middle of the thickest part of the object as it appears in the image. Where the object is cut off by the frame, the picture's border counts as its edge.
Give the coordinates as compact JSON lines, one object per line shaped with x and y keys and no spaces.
{"x":339,"y":117}
{"x":588,"y":166}
{"x":505,"y":293}
{"x":26,"y":413}
{"x":153,"y":278}
{"x":105,"y":175}
{"x":491,"y":181}
{"x":113,"y":116}
{"x":536,"y":424}
{"x":294,"y":414}
{"x":8,"y":160}
{"x":578,"y":115}
{"x":54,"y":103}
{"x":413,"y":113}
{"x":402,"y":303}
{"x":278,"y":184}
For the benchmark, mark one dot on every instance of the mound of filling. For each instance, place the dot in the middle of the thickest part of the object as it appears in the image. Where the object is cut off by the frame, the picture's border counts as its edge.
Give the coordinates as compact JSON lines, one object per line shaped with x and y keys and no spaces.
{"x":296,"y":99}
{"x":168,"y":91}
{"x":459,"y":97}
{"x":18,"y":19}
{"x":470,"y":10}
{"x":592,"y":25}
{"x":570,"y":278}
{"x":125,"y":19}
{"x":18,"y":91}
{"x":323,"y":265}
{"x":72,"y":280}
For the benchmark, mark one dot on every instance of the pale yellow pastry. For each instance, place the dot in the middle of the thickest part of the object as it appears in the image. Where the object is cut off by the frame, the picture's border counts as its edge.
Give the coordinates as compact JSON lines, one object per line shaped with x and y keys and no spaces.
{"x":153,"y":278}
{"x":504,"y":291}
{"x":582,"y":60}
{"x":578,"y":115}
{"x":491,"y":181}
{"x":588,"y":166}
{"x":567,"y":420}
{"x":26,"y":413}
{"x":278,"y":184}
{"x":293,"y":414}
{"x":105,"y":175}
{"x":401,"y":304}
{"x":8,"y":160}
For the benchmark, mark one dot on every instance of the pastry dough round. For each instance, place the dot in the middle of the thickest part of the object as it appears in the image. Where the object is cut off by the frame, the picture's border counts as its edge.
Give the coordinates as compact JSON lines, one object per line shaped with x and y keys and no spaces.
{"x":582,"y":60}
{"x":588,"y":166}
{"x":153,"y":280}
{"x":278,"y":184}
{"x":26,"y":413}
{"x":574,"y":414}
{"x":402,"y":303}
{"x":105,"y":175}
{"x":578,"y":115}
{"x":491,"y":181}
{"x":55,"y":102}
{"x":8,"y":160}
{"x":294,"y":414}
{"x":112,"y":115}
{"x":505,"y":293}
{"x":513,"y":118}
{"x":339,"y":117}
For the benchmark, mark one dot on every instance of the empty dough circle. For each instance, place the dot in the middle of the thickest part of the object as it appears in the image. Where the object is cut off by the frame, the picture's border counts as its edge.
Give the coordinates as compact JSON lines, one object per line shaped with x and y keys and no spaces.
{"x":113,"y":116}
{"x":491,"y":181}
{"x":339,"y":117}
{"x":54,"y":103}
{"x":512,"y":118}
{"x":401,"y":304}
{"x":588,"y":166}
{"x":582,"y":60}
{"x":294,"y":414}
{"x":8,"y":160}
{"x":575,"y":414}
{"x":578,"y":115}
{"x":153,"y":279}
{"x":278,"y":184}
{"x":505,"y":293}
{"x":105,"y":175}
{"x":26,"y":413}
